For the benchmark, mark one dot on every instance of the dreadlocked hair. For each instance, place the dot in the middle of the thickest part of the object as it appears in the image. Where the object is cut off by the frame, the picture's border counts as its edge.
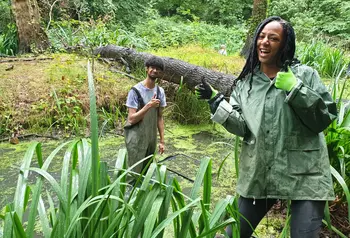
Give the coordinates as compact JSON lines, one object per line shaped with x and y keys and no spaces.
{"x":285,"y":54}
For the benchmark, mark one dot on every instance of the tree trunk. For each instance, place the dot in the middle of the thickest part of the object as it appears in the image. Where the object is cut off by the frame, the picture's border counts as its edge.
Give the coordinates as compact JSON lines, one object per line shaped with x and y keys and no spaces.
{"x":174,"y":69}
{"x":31,"y":36}
{"x":258,"y":14}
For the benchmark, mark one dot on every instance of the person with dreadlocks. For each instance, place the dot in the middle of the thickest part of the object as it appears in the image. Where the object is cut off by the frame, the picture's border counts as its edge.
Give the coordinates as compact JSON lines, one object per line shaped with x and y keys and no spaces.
{"x":280,"y":108}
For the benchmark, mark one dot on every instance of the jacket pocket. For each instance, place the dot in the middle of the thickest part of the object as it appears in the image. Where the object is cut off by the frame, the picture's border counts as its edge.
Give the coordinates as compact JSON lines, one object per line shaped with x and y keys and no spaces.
{"x":247,"y":160}
{"x":303,"y":155}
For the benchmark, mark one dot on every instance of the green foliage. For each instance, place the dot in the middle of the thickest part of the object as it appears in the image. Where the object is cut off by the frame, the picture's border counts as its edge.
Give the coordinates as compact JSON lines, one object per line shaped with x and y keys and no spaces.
{"x":125,"y":13}
{"x":88,"y":35}
{"x":316,"y":17}
{"x":338,"y":136}
{"x":64,"y":109}
{"x":226,"y":12}
{"x":187,"y":109}
{"x":113,"y":118}
{"x":165,"y":32}
{"x":5,"y":15}
{"x":9,"y":40}
{"x":328,"y":61}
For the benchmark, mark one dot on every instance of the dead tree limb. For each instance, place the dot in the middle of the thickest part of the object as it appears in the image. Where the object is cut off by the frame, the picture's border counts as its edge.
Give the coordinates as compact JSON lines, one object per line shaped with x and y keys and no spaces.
{"x":24,"y":59}
{"x":174,"y":68}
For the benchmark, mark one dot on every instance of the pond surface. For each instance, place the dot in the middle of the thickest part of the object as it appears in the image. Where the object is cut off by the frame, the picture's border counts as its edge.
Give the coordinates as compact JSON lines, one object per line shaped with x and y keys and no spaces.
{"x":185,"y":146}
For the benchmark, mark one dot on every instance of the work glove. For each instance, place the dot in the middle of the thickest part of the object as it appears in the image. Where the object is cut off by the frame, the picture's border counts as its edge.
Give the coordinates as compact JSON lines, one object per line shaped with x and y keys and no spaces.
{"x":285,"y":80}
{"x":205,"y":90}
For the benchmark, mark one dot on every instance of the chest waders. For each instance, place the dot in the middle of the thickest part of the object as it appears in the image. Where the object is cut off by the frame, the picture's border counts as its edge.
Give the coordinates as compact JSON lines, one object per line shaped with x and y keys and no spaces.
{"x":141,"y":138}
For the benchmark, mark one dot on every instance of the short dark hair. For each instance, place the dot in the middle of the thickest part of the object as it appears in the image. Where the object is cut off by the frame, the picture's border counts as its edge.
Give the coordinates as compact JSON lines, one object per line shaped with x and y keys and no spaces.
{"x":286,"y":53}
{"x":155,"y":61}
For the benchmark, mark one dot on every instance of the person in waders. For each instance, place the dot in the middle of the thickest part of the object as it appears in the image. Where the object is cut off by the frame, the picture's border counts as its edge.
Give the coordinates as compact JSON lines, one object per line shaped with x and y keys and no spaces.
{"x":280,"y":108}
{"x":145,"y":102}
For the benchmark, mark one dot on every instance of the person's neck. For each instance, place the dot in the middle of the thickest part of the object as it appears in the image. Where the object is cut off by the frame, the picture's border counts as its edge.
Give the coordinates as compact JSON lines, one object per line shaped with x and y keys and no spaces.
{"x":269,"y":71}
{"x":149,"y":83}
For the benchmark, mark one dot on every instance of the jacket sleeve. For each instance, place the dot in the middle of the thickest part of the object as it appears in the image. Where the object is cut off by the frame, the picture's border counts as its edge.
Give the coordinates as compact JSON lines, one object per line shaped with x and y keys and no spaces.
{"x":312,"y":103}
{"x":229,"y":114}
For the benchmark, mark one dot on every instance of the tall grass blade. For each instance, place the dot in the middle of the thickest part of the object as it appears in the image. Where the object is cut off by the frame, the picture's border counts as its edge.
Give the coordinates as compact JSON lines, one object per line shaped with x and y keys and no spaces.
{"x":327,"y":216}
{"x":51,"y":210}
{"x":94,"y":133}
{"x":152,"y":217}
{"x":17,"y":225}
{"x":45,"y":226}
{"x":61,"y":196}
{"x":339,"y":233}
{"x":285,"y":231}
{"x":222,"y":165}
{"x":33,"y":208}
{"x":165,"y":206}
{"x":19,"y":199}
{"x":204,"y":220}
{"x":219,"y":211}
{"x":172,"y":216}
{"x":342,"y":183}
{"x":217,"y":228}
{"x":187,"y":224}
{"x":84,"y":170}
{"x":207,"y":186}
{"x":144,"y":211}
{"x":8,"y":224}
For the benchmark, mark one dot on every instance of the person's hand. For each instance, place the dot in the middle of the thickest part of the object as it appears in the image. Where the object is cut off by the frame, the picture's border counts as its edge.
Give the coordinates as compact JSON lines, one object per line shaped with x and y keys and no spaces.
{"x":205,"y":90}
{"x":161,"y":147}
{"x":154,"y":101}
{"x":285,"y":80}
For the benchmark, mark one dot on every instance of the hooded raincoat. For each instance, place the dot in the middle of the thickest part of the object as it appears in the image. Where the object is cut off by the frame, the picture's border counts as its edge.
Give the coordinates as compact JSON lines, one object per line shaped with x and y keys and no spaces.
{"x":284,"y":153}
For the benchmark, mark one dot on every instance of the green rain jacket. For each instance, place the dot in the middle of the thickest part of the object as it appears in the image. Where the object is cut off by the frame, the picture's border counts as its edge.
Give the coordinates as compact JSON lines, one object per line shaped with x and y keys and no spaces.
{"x":284,"y":153}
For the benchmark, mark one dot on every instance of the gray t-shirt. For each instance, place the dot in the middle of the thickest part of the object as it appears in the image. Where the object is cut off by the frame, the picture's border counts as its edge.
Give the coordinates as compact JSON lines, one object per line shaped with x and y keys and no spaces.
{"x":146,"y":95}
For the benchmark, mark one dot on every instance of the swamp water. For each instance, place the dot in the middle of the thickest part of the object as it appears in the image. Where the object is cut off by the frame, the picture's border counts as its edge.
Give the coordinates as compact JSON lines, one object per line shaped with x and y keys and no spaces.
{"x":185,"y":146}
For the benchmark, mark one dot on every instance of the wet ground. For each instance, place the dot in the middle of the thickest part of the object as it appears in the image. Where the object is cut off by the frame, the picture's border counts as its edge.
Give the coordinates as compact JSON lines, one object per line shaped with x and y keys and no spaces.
{"x":185,"y":146}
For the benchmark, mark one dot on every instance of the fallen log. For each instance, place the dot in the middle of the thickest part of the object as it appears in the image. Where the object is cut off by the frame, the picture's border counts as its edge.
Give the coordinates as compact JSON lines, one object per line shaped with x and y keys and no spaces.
{"x":174,"y":68}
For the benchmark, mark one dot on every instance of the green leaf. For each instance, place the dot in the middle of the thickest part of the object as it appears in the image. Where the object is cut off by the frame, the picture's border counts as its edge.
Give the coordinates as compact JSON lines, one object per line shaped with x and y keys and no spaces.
{"x":327,"y":216}
{"x":342,"y":183}
{"x":144,"y":210}
{"x":95,"y":159}
{"x":152,"y":216}
{"x":171,"y":217}
{"x":43,"y":219}
{"x":204,"y":221}
{"x":8,"y":225}
{"x":21,"y":189}
{"x":18,"y":228}
{"x":61,"y":196}
{"x":165,"y":206}
{"x":33,"y":208}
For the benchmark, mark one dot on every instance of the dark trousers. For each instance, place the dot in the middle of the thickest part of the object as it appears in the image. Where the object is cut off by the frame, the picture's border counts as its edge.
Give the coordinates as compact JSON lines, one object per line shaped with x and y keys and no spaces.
{"x":306,"y":216}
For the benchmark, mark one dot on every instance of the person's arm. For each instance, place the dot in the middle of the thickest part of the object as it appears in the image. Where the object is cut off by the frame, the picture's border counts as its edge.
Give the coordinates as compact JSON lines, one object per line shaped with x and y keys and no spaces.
{"x":135,"y":116}
{"x":227,"y":114}
{"x":312,"y":102}
{"x":160,"y":125}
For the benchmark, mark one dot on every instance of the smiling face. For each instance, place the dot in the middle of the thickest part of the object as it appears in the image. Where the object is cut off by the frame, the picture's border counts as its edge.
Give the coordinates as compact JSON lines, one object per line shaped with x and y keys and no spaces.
{"x":153,"y":72}
{"x":269,"y":43}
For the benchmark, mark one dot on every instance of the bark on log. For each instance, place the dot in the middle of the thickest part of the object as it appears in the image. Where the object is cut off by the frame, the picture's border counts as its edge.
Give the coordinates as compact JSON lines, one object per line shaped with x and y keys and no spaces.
{"x":174,"y":69}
